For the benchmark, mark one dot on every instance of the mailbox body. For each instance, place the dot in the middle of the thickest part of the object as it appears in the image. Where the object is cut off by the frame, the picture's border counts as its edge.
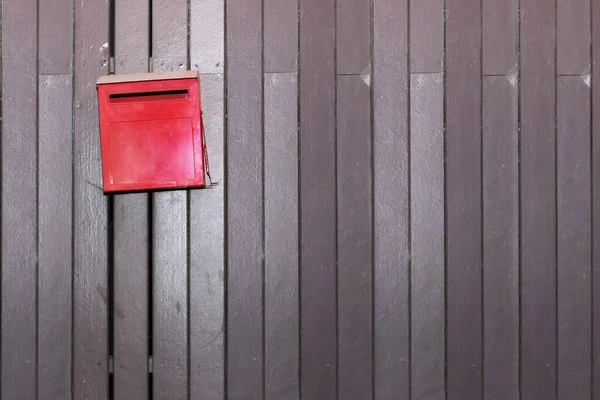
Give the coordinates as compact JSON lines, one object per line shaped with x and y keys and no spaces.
{"x":151,"y":132}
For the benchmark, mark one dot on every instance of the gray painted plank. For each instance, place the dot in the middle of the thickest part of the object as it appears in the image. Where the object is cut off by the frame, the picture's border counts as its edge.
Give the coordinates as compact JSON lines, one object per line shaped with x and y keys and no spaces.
{"x":207,"y":25}
{"x":390,"y":201}
{"x":55,"y":37}
{"x":245,"y":364}
{"x":595,"y":148}
{"x":280,"y":45}
{"x":574,"y":236}
{"x":426,"y":36}
{"x":353,"y":37}
{"x":281,"y":237}
{"x":207,"y":257}
{"x":354,"y":216}
{"x":170,"y":230}
{"x":427,"y":236}
{"x":19,"y":201}
{"x":538,"y":206}
{"x":55,"y":238}
{"x":500,"y":238}
{"x":499,"y":37}
{"x":318,"y":344}
{"x":131,"y":228}
{"x":90,"y":297}
{"x":463,"y":200}
{"x":573,"y":37}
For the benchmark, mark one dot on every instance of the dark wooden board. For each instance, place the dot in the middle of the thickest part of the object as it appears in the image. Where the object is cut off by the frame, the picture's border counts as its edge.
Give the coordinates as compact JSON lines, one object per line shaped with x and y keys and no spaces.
{"x":353,"y":37}
{"x":500,"y":238}
{"x":90,"y":273}
{"x":574,"y":238}
{"x":595,"y":150}
{"x":426,"y":36}
{"x":538,"y":201}
{"x":499,"y":37}
{"x":573,"y":36}
{"x":318,"y":290}
{"x":463,"y":201}
{"x":207,"y":26}
{"x":427,"y":236}
{"x":280,"y":40}
{"x":281,"y":237}
{"x":244,"y":203}
{"x":391,"y":201}
{"x":55,"y":36}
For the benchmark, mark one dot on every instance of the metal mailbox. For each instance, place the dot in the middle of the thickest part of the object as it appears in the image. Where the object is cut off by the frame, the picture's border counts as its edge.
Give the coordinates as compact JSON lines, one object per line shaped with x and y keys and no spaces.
{"x":151,"y":132}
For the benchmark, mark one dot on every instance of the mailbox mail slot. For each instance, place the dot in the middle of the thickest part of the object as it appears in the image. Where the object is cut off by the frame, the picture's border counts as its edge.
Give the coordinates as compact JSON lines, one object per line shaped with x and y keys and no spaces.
{"x":151,"y":132}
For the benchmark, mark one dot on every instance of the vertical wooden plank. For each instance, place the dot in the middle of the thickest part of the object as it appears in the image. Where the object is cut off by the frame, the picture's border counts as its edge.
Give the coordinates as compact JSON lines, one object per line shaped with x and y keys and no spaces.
{"x":426,"y":36}
{"x":427,"y":235}
{"x":55,"y":37}
{"x":19,"y":201}
{"x":207,"y":27}
{"x":595,"y":149}
{"x":170,"y":229}
{"x":538,"y":205}
{"x":463,"y":200}
{"x":90,"y":331}
{"x":574,"y":235}
{"x":500,"y":238}
{"x":244,"y":200}
{"x":355,"y":327}
{"x":499,"y":37}
{"x":573,"y":37}
{"x":390,"y":197}
{"x":207,"y":258}
{"x":131,"y":228}
{"x":353,"y":37}
{"x":55,"y":238}
{"x":281,"y":237}
{"x":280,"y":35}
{"x":318,"y":311}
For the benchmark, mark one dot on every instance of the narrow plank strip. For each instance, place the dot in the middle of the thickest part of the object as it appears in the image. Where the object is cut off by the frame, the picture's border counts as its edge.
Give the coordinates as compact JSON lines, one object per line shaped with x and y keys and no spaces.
{"x":500,"y":238}
{"x":499,"y":37}
{"x":573,"y":37}
{"x":426,"y":36}
{"x":131,"y":228}
{"x":90,"y":331}
{"x":207,"y":26}
{"x":463,"y":200}
{"x":244,"y":201}
{"x":19,"y":205}
{"x":427,"y":235}
{"x":390,"y":207}
{"x":207,"y":257}
{"x":55,"y":249}
{"x":169,"y":224}
{"x":55,"y":37}
{"x":574,"y":238}
{"x":538,"y":208}
{"x":318,"y":275}
{"x":280,"y":35}
{"x":353,"y":37}
{"x":595,"y":148}
{"x":355,"y":319}
{"x":281,"y":237}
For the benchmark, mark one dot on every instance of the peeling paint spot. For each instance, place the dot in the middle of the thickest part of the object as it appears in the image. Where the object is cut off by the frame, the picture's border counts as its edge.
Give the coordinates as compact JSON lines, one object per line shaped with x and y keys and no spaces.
{"x":366,"y":79}
{"x":587,"y":79}
{"x":512,"y":78}
{"x":104,"y":46}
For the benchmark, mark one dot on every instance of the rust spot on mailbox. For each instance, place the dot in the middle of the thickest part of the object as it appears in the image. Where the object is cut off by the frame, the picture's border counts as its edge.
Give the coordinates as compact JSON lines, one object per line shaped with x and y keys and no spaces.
{"x":151,"y":132}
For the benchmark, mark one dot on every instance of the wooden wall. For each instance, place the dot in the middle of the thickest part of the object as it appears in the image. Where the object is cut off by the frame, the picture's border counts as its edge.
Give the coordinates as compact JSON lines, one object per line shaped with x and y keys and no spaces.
{"x":407,"y":206}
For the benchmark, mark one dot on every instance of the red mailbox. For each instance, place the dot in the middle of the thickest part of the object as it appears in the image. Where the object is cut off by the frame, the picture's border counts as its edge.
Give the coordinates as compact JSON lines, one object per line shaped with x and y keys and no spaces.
{"x":151,"y":133}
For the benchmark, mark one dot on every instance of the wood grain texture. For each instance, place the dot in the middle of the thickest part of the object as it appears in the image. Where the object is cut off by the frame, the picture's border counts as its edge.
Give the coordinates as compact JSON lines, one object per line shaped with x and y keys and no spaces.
{"x":55,"y":203}
{"x":574,"y":238}
{"x":318,"y":344}
{"x":90,"y":296}
{"x":207,"y":257}
{"x":427,"y":236}
{"x":499,"y":37}
{"x":55,"y":37}
{"x":391,"y":201}
{"x":595,"y":149}
{"x":281,"y":237}
{"x":426,"y":36}
{"x":354,"y":208}
{"x":463,"y":200}
{"x":573,"y":37}
{"x":280,"y":40}
{"x":207,"y":26}
{"x":500,"y":238}
{"x":538,"y":201}
{"x":353,"y":37}
{"x":245,"y":262}
{"x":19,"y":201}
{"x":170,"y":230}
{"x":131,"y":264}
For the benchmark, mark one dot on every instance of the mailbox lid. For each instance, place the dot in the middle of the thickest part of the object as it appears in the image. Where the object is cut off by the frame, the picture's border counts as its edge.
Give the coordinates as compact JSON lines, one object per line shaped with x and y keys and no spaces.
{"x":147,"y":76}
